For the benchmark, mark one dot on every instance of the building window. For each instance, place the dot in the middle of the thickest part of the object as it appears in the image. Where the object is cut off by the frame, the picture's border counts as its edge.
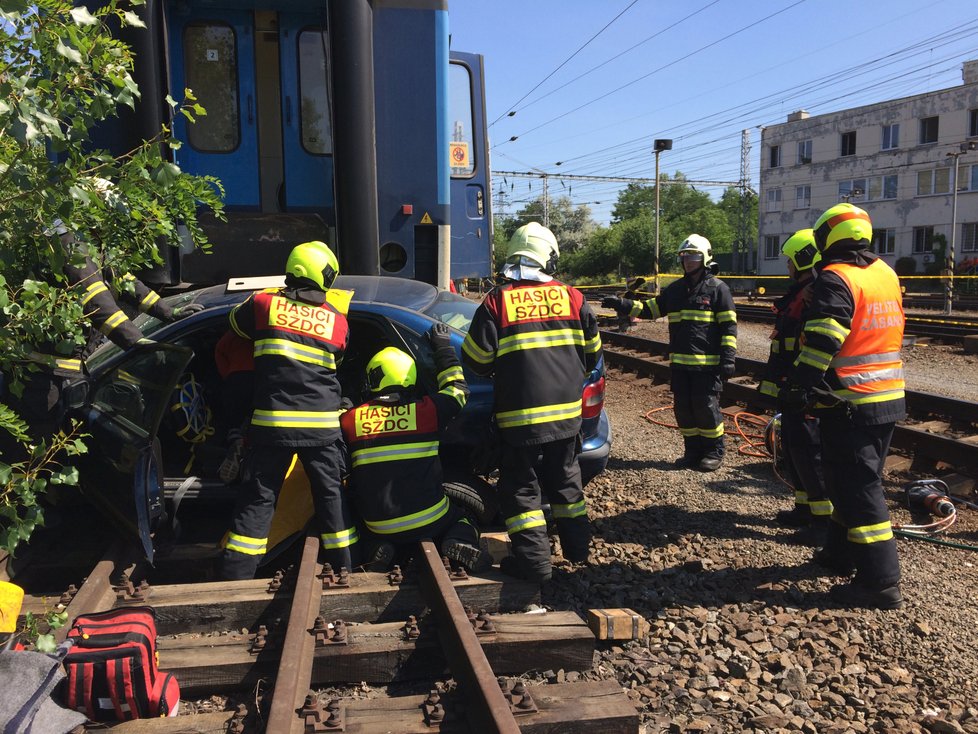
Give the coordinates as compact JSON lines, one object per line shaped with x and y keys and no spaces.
{"x":774,"y":200}
{"x":772,"y":247}
{"x":884,"y":241}
{"x":973,"y":185}
{"x":923,"y":239}
{"x":937,"y":181}
{"x":803,"y":197}
{"x":775,"y":156}
{"x":891,"y":137}
{"x":805,"y":151}
{"x":928,"y":130}
{"x":973,"y":123}
{"x":882,"y":187}
{"x":969,"y":237}
{"x":848,"y":144}
{"x":854,"y":190}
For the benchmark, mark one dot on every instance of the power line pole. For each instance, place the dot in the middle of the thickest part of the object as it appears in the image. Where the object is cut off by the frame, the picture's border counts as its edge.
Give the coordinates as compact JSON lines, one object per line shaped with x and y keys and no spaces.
{"x":742,"y":249}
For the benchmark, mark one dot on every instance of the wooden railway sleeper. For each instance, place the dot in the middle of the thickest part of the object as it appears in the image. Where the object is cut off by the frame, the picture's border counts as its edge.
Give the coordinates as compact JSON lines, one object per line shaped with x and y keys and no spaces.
{"x":481,"y":622}
{"x":332,"y":580}
{"x":326,"y":637}
{"x":319,"y":718}
{"x":126,"y":591}
{"x":521,"y":703}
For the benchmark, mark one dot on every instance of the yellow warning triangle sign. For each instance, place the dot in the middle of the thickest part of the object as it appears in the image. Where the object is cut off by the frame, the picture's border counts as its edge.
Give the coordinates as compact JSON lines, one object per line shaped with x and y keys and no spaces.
{"x":426,"y":219}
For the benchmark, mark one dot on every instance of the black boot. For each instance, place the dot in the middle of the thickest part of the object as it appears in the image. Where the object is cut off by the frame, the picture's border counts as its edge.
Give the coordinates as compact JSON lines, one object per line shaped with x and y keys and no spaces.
{"x":853,"y":595}
{"x":796,"y":517}
{"x":511,"y":566}
{"x":838,"y":566}
{"x":465,"y":554}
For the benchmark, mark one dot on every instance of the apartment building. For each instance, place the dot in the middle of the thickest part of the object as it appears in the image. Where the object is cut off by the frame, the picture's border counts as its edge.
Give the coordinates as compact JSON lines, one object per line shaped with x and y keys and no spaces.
{"x":889,"y":158}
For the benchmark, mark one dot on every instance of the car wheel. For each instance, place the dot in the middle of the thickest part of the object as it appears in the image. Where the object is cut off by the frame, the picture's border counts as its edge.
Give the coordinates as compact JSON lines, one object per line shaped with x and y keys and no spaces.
{"x":475,"y":495}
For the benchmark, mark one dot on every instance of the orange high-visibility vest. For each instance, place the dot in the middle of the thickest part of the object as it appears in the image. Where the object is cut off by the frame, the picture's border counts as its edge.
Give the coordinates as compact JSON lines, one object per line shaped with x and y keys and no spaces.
{"x":868,"y":366}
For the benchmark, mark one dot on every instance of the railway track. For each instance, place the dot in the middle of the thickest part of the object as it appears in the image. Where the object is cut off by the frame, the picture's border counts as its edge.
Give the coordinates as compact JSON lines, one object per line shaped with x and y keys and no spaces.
{"x":311,"y":627}
{"x":938,"y":429}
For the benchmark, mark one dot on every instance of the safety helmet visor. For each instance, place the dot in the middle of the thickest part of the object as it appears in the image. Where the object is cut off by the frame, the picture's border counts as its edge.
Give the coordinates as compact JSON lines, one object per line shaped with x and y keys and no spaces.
{"x":314,"y":262}
{"x":391,"y":368}
{"x":536,"y":243}
{"x":801,"y":251}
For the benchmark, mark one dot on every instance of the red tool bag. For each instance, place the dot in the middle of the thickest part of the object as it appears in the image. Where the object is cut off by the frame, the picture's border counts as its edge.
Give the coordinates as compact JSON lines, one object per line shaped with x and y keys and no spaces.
{"x":112,"y":667}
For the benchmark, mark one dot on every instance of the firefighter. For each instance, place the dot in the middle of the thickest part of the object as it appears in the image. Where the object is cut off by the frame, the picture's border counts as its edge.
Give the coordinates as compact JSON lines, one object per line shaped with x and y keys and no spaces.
{"x":849,"y":367}
{"x":702,"y":346}
{"x":539,"y":338}
{"x":800,"y":443}
{"x":395,"y":472}
{"x":299,"y":338}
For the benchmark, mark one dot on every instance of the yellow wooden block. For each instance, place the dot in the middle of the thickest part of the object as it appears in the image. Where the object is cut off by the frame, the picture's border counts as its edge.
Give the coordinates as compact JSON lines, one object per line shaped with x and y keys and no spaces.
{"x":11,"y":599}
{"x":617,"y":624}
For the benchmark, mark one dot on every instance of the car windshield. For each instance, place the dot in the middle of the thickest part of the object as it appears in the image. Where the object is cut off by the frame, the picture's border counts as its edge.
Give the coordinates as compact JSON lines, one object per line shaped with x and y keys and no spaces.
{"x":454,"y":310}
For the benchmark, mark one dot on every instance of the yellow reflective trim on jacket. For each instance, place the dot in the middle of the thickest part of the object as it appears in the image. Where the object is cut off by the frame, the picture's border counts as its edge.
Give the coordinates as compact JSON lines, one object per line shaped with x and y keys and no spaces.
{"x":398,"y":452}
{"x":451,"y":374}
{"x":821,"y":508}
{"x":768,"y":388}
{"x":814,"y":357}
{"x":93,"y":290}
{"x":789,"y":343}
{"x":593,"y":345}
{"x":691,"y":314}
{"x":711,"y":432}
{"x":296,"y":418}
{"x":246,"y":545}
{"x":232,"y":318}
{"x":728,"y":340}
{"x":342,"y":539}
{"x":540,"y":340}
{"x":688,"y":432}
{"x":295,"y":351}
{"x":726,"y":316}
{"x":653,"y":307}
{"x":525,"y":521}
{"x":575,"y":509}
{"x":150,"y":300}
{"x":866,"y":534}
{"x":459,"y":395}
{"x":829,"y":327}
{"x":801,"y":497}
{"x":477,"y":353}
{"x":113,"y":321}
{"x":541,"y":414}
{"x":862,"y":398}
{"x":410,"y":522}
{"x":696,"y":360}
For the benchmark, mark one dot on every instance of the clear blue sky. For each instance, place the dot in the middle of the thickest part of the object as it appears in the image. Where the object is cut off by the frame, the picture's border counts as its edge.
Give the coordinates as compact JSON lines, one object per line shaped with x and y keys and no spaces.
{"x":698,"y":72}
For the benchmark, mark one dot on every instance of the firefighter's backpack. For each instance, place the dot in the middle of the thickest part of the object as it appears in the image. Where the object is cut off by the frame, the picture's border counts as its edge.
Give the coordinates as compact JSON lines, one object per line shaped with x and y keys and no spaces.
{"x":112,"y":667}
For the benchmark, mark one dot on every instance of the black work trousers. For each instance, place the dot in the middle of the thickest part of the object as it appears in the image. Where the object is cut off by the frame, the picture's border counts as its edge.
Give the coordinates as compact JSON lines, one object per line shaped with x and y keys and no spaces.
{"x":860,"y":533}
{"x":696,"y":402}
{"x":453,"y":525}
{"x":265,"y":468}
{"x":802,"y":446}
{"x":520,"y":488}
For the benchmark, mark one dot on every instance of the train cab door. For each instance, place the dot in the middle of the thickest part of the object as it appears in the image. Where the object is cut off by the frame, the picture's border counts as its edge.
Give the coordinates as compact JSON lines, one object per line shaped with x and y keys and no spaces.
{"x":212,"y":52}
{"x":468,"y":155}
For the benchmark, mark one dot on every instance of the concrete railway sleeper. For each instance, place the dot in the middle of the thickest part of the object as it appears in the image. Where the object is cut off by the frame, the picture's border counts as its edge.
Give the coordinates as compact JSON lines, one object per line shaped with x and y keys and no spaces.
{"x":311,"y":627}
{"x":928,"y":440}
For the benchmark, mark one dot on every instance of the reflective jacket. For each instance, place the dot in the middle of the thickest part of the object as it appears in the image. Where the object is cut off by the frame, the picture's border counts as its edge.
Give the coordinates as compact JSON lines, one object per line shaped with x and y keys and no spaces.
{"x":539,"y":340}
{"x":852,"y":337}
{"x":702,"y":322}
{"x":299,"y":340}
{"x":785,"y":339}
{"x":393,"y":443}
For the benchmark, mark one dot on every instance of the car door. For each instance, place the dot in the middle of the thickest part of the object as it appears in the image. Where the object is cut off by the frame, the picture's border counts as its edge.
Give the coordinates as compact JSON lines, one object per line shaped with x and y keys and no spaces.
{"x":121,"y":473}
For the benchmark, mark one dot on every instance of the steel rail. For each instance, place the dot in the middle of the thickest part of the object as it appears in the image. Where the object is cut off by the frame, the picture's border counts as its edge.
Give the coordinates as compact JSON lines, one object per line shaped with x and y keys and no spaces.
{"x":295,"y":666}
{"x":487,"y":710}
{"x":96,"y":593}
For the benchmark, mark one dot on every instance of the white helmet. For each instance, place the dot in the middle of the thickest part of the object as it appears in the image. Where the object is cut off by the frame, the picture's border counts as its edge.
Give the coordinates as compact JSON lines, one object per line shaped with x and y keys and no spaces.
{"x":535,"y":242}
{"x":697,"y":244}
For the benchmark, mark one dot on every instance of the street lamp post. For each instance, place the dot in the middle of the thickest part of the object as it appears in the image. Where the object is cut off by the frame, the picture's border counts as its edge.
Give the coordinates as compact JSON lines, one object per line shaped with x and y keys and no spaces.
{"x":658,"y":146}
{"x":949,"y":284}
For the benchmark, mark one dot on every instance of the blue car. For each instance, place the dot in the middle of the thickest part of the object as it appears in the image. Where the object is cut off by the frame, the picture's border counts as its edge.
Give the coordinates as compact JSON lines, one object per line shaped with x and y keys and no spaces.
{"x":128,"y":401}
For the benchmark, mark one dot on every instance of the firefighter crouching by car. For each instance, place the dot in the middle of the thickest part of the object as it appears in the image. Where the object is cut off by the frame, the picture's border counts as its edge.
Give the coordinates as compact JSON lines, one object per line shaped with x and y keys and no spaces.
{"x":539,"y":338}
{"x":702,"y":349}
{"x":800,"y":442}
{"x":299,"y":340}
{"x":851,"y":342}
{"x":395,"y":472}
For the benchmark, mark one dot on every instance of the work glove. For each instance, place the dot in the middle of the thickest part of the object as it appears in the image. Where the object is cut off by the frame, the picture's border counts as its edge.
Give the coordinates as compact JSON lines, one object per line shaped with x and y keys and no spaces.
{"x":230,"y":468}
{"x":440,"y":336}
{"x":187,"y":309}
{"x":623,"y":306}
{"x":727,"y":370}
{"x":794,"y":398}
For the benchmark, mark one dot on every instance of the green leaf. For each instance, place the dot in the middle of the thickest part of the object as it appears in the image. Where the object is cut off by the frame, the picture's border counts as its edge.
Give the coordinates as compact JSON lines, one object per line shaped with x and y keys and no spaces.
{"x":82,"y":17}
{"x":132,"y":19}
{"x":68,"y":52}
{"x":166,"y":174}
{"x":46,"y":643}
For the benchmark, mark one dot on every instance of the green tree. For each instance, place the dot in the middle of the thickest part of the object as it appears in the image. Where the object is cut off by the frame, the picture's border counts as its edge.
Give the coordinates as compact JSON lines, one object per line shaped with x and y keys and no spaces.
{"x":571,"y":225}
{"x":61,"y":74}
{"x":601,"y":255}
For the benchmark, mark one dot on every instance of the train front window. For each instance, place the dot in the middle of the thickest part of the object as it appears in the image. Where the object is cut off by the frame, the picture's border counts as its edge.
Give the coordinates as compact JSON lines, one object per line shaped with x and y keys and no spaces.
{"x":211,"y":64}
{"x":317,"y":136}
{"x":461,"y":151}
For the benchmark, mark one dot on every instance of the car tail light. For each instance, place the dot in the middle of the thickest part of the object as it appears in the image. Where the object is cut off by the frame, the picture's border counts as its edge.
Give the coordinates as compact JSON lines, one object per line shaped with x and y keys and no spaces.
{"x":593,"y":399}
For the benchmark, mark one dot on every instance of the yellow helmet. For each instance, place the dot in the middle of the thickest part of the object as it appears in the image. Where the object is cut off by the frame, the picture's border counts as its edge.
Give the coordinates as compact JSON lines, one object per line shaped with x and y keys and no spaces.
{"x":800,"y":249}
{"x":842,"y":222}
{"x":536,"y":242}
{"x":315,"y":262}
{"x":391,"y":367}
